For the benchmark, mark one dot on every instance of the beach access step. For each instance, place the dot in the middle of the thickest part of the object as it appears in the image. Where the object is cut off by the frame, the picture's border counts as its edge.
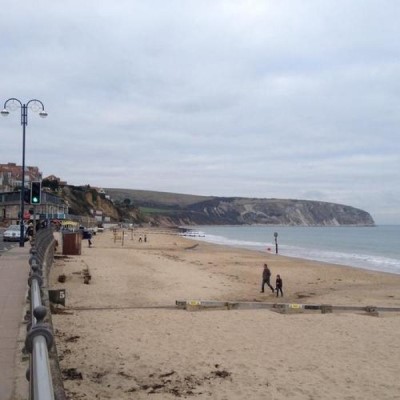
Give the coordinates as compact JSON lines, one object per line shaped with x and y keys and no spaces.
{"x":284,"y":308}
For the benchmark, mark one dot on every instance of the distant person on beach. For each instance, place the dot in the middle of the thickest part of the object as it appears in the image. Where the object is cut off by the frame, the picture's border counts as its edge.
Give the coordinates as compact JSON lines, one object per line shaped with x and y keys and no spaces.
{"x":140,"y":239}
{"x":145,"y":238}
{"x":279,"y":285}
{"x":86,"y":234}
{"x":266,"y":278}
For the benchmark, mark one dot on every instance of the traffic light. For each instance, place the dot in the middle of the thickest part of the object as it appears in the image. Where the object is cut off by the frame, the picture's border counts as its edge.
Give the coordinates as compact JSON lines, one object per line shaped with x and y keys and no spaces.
{"x":36,"y":192}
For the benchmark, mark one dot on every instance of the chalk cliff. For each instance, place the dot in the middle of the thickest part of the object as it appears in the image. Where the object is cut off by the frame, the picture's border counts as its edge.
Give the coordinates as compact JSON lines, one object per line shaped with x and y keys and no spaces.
{"x":175,"y":209}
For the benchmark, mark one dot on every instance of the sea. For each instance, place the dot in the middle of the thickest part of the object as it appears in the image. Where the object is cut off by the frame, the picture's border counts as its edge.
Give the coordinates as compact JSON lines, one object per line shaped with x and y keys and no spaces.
{"x":374,"y":248}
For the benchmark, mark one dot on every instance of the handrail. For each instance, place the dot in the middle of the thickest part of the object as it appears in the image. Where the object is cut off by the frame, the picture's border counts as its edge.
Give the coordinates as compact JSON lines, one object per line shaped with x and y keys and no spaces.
{"x":39,"y":338}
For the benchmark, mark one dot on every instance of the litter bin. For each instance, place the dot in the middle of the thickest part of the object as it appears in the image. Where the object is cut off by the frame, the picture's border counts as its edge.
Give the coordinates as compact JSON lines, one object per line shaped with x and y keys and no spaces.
{"x":72,"y":243}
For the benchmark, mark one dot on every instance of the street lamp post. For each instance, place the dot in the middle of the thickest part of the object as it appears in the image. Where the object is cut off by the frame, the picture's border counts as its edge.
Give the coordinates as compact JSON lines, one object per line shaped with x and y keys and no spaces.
{"x":36,"y":106}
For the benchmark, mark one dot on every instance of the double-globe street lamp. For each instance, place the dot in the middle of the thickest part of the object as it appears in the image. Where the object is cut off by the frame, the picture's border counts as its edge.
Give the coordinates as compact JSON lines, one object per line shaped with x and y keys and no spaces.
{"x":36,"y":106}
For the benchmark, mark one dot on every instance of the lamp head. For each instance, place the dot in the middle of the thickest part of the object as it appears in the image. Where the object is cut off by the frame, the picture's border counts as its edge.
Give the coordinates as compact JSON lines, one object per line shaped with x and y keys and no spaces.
{"x":43,"y":114}
{"x":5,"y":112}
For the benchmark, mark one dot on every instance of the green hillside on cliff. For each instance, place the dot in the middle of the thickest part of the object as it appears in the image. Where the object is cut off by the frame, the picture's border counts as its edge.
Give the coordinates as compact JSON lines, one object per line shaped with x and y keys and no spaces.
{"x":174,"y":209}
{"x":182,"y":209}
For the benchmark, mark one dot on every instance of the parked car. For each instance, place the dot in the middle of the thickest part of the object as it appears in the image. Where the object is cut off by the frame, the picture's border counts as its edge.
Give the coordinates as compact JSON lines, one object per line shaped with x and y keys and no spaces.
{"x":13,"y":234}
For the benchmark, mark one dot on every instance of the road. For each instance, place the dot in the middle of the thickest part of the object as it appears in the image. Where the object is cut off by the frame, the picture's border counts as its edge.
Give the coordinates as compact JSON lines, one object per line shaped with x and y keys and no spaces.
{"x":4,"y":246}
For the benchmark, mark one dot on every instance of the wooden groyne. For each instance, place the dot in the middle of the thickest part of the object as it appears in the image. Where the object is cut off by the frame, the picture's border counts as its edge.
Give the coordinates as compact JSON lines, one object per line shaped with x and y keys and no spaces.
{"x":284,"y":308}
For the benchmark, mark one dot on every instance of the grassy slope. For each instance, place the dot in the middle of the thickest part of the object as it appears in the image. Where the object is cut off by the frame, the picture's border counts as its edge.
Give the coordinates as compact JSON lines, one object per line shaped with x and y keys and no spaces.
{"x":165,"y":198}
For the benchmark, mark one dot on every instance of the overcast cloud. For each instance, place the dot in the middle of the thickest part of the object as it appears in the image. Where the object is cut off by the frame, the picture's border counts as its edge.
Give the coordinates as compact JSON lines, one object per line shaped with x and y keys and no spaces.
{"x":283,"y":99}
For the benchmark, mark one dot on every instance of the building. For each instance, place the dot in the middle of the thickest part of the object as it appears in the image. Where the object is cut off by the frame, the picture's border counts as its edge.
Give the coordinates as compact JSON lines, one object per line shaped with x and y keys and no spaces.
{"x":51,"y":207}
{"x":11,"y":176}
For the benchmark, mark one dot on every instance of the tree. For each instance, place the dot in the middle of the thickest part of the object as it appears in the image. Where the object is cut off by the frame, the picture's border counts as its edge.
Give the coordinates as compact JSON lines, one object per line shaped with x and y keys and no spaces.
{"x":52,"y":184}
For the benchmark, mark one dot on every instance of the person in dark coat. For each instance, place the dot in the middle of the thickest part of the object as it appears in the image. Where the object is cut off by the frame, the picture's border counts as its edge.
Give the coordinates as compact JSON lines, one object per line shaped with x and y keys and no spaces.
{"x":279,"y":285}
{"x":86,"y":234}
{"x":29,"y":232}
{"x":266,"y":278}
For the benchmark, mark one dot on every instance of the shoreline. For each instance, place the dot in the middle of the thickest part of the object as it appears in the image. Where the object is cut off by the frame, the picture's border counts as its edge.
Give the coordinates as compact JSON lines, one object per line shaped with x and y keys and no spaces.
{"x":134,"y":351}
{"x":292,"y":258}
{"x":360,"y":258}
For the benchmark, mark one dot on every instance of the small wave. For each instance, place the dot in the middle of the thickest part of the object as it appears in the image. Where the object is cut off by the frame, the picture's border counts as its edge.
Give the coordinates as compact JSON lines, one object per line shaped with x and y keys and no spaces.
{"x":232,"y":242}
{"x":365,"y":261}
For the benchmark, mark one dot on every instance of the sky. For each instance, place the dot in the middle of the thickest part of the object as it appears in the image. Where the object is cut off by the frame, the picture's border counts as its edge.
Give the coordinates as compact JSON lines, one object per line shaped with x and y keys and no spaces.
{"x":292,"y":99}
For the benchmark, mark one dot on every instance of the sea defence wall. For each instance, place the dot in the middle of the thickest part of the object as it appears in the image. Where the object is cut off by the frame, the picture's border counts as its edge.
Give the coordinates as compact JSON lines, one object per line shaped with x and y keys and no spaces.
{"x":43,"y":373}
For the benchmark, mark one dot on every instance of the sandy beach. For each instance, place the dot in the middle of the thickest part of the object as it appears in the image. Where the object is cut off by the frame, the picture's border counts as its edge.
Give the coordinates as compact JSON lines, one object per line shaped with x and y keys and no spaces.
{"x":121,"y":336}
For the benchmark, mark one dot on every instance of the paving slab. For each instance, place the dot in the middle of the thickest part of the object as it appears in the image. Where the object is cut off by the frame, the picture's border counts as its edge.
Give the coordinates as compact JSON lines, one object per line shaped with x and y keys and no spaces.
{"x":14,"y":273}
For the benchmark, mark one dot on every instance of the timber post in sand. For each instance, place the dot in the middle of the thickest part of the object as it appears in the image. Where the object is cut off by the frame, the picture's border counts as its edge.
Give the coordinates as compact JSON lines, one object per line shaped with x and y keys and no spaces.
{"x":276,"y":242}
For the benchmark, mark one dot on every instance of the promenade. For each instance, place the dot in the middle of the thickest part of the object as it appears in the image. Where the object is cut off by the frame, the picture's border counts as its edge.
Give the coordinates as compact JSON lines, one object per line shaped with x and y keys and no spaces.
{"x":14,"y":272}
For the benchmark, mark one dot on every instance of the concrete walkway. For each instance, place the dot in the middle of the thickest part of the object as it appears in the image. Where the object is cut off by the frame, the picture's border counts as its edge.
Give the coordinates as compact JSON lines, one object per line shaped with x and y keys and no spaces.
{"x":14,"y":272}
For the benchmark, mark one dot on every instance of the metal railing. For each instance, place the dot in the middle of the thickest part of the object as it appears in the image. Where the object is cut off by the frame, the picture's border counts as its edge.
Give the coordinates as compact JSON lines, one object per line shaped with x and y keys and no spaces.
{"x":39,"y":338}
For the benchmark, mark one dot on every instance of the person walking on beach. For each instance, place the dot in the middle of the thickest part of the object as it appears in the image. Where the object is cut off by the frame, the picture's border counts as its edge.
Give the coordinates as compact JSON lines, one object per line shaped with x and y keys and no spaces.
{"x":279,"y":285}
{"x":266,"y":278}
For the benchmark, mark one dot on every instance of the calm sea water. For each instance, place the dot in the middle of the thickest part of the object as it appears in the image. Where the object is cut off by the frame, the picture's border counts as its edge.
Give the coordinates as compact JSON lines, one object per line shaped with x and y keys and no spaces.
{"x":374,"y":248}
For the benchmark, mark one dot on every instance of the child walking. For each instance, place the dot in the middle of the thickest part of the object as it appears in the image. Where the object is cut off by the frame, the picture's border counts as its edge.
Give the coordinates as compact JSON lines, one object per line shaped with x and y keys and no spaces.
{"x":279,"y":285}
